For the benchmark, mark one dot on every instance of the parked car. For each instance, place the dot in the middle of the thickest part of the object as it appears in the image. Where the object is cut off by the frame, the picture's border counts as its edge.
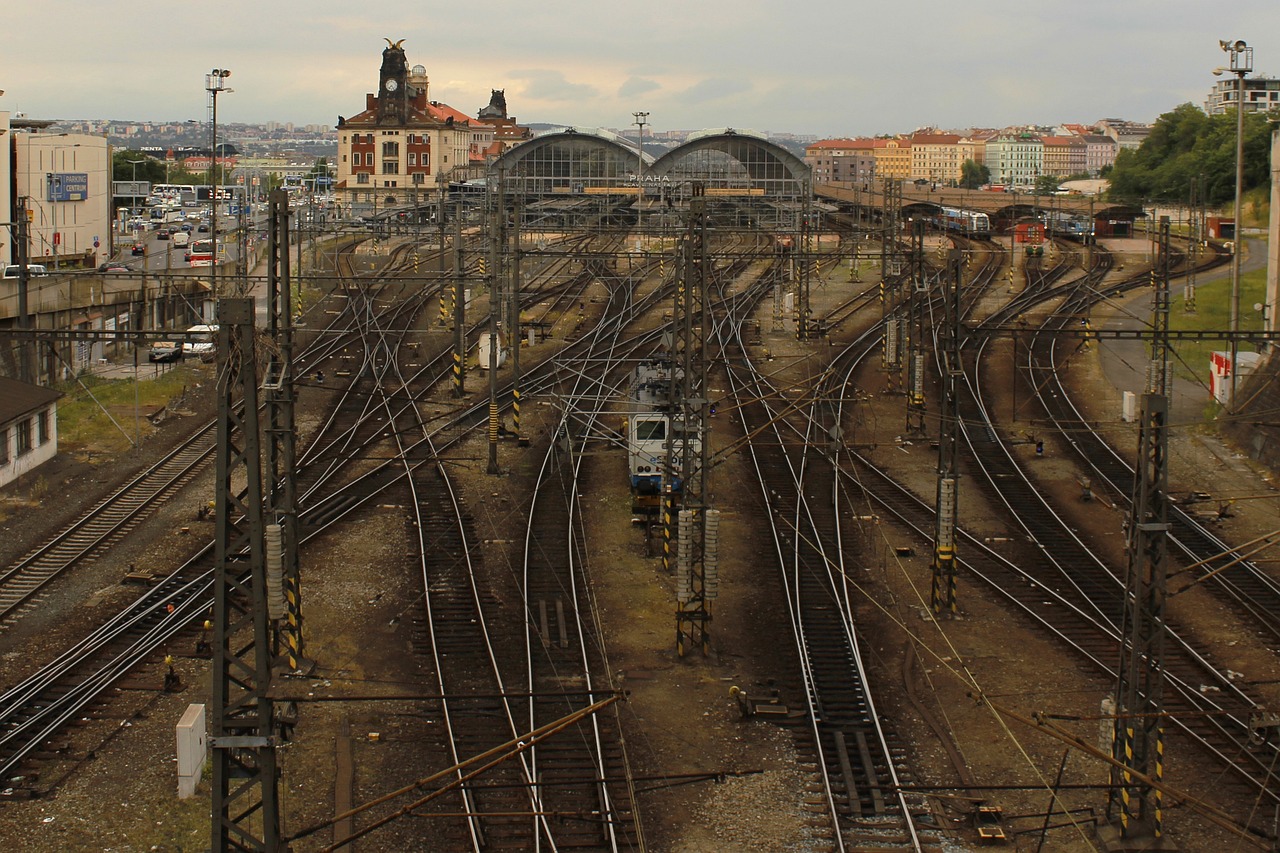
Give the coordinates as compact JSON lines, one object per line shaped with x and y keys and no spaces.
{"x":165,"y":352}
{"x":11,"y":270}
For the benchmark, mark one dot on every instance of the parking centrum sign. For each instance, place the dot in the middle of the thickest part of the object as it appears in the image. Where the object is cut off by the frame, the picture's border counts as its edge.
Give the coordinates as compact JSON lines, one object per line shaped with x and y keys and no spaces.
{"x":67,"y":186}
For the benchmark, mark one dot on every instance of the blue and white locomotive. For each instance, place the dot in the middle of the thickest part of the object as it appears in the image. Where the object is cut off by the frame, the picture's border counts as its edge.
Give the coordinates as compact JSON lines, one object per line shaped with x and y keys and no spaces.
{"x":970,"y":223}
{"x":653,"y":433}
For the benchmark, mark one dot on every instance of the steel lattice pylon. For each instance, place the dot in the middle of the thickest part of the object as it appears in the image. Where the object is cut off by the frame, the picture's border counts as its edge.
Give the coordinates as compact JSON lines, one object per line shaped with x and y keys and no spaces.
{"x":245,"y":797}
{"x":688,"y":439}
{"x":1138,"y":734}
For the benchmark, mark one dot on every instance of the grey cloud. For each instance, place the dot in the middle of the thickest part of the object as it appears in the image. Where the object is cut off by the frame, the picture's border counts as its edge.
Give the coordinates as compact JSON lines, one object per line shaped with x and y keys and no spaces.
{"x":546,"y":85}
{"x":637,"y":86}
{"x":714,"y":88}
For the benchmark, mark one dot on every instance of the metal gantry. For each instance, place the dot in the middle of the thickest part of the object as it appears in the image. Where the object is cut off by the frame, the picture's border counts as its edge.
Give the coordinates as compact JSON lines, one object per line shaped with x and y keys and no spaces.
{"x":243,"y":737}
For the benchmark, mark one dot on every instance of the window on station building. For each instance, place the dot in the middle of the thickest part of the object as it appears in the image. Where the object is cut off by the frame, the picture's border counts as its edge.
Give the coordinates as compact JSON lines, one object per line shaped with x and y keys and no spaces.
{"x":412,"y":159}
{"x":24,"y":436}
{"x":4,"y":446}
{"x":418,"y":178}
{"x":362,"y":178}
{"x":42,"y":427}
{"x":391,"y":149}
{"x":390,"y":167}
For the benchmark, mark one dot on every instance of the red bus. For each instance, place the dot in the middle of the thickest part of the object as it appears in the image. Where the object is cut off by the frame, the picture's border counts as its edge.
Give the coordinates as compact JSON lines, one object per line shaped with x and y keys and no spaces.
{"x":201,"y":253}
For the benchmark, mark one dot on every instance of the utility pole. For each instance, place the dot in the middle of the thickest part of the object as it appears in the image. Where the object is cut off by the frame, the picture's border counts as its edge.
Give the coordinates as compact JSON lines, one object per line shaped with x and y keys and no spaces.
{"x":1135,"y":806}
{"x":513,"y":323}
{"x":919,"y":305}
{"x":696,"y":528}
{"x":459,"y":307}
{"x":495,"y":227}
{"x":26,"y":347}
{"x":278,"y":384}
{"x":243,"y":737}
{"x":891,"y":288}
{"x":804,"y":260}
{"x":943,"y":592}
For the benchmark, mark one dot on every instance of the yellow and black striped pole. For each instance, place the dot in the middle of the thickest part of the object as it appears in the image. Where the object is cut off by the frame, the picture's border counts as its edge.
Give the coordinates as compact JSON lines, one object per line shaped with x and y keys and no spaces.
{"x":1157,"y":796}
{"x":293,"y":622}
{"x":668,"y":520}
{"x":515,"y":406}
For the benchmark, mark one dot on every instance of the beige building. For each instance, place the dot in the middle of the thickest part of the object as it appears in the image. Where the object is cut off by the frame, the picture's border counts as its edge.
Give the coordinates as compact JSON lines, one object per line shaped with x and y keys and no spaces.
{"x":935,"y":157}
{"x":841,"y":160}
{"x":893,"y":159}
{"x":1064,"y":156}
{"x":65,"y":178}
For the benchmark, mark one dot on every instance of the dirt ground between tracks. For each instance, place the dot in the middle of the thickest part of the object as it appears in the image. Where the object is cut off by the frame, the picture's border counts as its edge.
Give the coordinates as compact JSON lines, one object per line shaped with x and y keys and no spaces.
{"x":113,"y":788}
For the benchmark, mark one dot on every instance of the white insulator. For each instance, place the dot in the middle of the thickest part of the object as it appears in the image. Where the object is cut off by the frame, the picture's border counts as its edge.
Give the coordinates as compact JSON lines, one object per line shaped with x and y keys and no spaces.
{"x":947,"y":512}
{"x":1155,"y":377}
{"x":684,"y":557}
{"x":891,"y":341}
{"x":684,"y":542}
{"x":1107,"y":724}
{"x":711,"y":555}
{"x":275,"y":571}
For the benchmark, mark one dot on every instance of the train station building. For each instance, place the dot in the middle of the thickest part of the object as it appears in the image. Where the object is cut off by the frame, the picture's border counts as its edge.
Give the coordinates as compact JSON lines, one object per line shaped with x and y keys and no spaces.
{"x":403,"y":148}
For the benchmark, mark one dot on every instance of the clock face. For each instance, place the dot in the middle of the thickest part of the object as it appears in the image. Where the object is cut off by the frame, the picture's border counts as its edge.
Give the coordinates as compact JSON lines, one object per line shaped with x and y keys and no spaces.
{"x":391,"y":85}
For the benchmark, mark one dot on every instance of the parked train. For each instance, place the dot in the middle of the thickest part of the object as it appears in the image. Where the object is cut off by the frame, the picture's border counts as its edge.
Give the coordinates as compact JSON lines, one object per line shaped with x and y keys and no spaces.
{"x":970,"y":223}
{"x":653,"y":431}
{"x":1060,"y":224}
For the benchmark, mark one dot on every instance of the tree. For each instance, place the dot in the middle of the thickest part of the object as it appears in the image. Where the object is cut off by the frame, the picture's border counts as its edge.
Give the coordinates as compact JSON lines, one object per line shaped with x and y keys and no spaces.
{"x":129,"y":165}
{"x":1185,"y":144}
{"x":1047,"y":185}
{"x":974,"y":175}
{"x":319,"y":176}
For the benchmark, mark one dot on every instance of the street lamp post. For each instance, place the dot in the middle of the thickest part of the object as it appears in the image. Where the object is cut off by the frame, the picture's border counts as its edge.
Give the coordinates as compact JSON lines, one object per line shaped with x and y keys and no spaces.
{"x":641,"y":120}
{"x":1241,"y":64}
{"x":214,"y":85}
{"x":134,"y":181}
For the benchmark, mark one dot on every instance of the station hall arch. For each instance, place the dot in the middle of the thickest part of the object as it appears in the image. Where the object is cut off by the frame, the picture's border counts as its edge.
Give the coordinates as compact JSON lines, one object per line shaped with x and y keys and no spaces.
{"x":592,"y":177}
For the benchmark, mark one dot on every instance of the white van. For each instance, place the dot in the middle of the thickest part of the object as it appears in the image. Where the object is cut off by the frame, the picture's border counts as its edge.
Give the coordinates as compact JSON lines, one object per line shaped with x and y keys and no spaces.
{"x":11,"y":270}
{"x":179,"y":238}
{"x":201,"y":341}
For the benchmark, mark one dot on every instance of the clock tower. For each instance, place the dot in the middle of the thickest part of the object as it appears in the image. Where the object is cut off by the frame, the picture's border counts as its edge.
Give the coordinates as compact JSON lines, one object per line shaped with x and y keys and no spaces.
{"x":393,"y":94}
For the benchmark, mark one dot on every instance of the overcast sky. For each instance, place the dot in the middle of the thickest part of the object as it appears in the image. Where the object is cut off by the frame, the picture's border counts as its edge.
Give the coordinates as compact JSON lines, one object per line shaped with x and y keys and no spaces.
{"x":827,"y":67}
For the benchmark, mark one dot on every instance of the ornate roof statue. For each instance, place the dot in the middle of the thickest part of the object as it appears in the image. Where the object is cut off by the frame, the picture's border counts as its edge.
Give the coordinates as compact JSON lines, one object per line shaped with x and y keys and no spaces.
{"x":497,"y":105}
{"x":393,"y":60}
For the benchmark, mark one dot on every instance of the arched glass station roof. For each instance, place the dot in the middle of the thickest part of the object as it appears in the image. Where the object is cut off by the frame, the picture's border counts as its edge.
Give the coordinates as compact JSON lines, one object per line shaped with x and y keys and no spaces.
{"x":591,"y":177}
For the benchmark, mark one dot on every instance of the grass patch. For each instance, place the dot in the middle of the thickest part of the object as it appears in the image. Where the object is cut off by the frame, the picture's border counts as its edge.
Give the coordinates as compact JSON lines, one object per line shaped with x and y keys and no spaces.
{"x":1213,"y":311}
{"x":84,"y":425}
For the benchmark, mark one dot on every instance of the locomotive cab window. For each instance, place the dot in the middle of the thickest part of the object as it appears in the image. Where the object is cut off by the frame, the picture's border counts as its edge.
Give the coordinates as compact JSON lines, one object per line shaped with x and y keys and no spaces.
{"x":651,"y":430}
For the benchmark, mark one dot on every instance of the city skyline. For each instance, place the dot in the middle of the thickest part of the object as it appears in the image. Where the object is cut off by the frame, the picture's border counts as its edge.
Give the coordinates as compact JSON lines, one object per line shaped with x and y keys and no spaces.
{"x":831,"y":69}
